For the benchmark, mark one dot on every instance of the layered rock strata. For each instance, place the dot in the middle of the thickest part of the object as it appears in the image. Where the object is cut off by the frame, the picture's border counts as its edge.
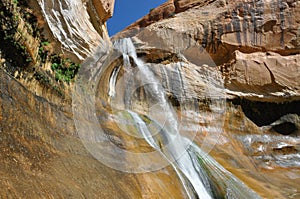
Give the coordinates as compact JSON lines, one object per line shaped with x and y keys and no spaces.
{"x":229,"y":31}
{"x":248,"y":50}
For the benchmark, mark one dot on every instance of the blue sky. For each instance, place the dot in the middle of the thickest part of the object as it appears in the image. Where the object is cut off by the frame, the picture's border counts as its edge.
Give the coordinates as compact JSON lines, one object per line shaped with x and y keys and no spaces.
{"x":128,"y":11}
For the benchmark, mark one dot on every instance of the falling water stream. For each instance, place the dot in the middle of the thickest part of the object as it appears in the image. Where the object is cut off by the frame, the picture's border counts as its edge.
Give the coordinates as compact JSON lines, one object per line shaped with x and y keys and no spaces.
{"x":201,"y":176}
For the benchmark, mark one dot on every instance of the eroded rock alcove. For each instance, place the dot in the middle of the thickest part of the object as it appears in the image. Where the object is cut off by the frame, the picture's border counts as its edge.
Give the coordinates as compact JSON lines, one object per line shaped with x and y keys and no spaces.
{"x":253,"y":46}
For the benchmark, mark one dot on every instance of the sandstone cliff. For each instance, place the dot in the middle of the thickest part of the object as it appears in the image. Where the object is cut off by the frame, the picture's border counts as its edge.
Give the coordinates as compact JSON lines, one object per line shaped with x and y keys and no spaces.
{"x":232,"y":33}
{"x":41,"y":153}
{"x":245,"y":53}
{"x":254,"y":45}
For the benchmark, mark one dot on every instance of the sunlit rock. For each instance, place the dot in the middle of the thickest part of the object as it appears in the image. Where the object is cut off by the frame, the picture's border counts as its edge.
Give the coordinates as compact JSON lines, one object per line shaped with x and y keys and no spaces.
{"x":226,"y":71}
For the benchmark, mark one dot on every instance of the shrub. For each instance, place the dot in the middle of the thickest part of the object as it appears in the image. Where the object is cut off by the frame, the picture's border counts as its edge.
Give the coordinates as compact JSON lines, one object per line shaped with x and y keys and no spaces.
{"x":65,"y":70}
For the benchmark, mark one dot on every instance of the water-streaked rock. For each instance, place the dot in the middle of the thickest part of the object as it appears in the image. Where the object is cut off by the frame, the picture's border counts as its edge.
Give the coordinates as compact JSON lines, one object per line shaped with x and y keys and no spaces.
{"x":239,"y":55}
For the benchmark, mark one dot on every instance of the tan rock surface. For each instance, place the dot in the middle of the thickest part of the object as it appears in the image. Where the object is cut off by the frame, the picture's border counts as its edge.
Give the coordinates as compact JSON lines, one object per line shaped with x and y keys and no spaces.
{"x":255,"y":45}
{"x":225,"y":27}
{"x":262,"y":75}
{"x":105,"y":8}
{"x":78,"y":26}
{"x":41,"y":155}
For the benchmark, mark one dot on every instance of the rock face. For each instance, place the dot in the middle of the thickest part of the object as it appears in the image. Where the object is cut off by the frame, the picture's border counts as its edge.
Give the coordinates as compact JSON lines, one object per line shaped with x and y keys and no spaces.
{"x":242,"y":56}
{"x":254,"y":46}
{"x":69,"y":21}
{"x":226,"y":30}
{"x":104,"y":8}
{"x":168,"y":10}
{"x":42,"y":155}
{"x":263,"y":75}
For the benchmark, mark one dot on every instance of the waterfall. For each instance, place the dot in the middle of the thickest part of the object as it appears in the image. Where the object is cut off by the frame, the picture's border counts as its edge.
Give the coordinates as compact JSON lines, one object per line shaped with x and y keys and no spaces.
{"x":183,"y":162}
{"x":112,"y":82}
{"x":201,"y":176}
{"x":175,"y":147}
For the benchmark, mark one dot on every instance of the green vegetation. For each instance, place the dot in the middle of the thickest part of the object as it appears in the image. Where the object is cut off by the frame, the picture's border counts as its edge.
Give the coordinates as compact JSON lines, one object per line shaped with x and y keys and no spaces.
{"x":21,"y":48}
{"x":44,"y":79}
{"x":11,"y":37}
{"x":65,"y":70}
{"x":20,"y":36}
{"x":43,"y":52}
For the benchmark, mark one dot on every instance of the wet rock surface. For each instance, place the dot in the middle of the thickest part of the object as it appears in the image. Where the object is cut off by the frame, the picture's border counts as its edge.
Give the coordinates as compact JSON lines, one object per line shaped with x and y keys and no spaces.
{"x":77,"y":26}
{"x":42,"y":155}
{"x":255,"y":46}
{"x":192,"y":46}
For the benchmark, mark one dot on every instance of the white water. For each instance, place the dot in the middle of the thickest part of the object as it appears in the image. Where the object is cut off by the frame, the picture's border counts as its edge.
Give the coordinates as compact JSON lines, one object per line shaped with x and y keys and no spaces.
{"x":193,"y":166}
{"x":175,"y":148}
{"x":179,"y":158}
{"x":112,"y":82}
{"x":233,"y":187}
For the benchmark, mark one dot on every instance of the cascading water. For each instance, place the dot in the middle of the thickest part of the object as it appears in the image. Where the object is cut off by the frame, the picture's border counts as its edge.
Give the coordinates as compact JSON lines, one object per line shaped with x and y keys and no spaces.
{"x":174,"y":147}
{"x":201,"y":176}
{"x":112,"y":82}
